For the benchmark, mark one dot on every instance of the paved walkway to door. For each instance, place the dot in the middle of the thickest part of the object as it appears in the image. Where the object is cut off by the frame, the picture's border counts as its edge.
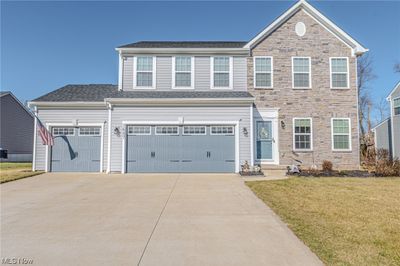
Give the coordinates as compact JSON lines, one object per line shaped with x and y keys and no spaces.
{"x":163,"y":219}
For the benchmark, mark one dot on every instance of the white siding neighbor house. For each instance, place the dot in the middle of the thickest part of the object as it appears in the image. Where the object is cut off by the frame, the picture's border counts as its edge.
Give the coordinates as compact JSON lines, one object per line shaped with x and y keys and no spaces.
{"x":287,"y":95}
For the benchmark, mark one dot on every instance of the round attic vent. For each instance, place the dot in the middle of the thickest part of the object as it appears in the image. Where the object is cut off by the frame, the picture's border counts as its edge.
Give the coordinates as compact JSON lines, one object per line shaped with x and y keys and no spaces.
{"x":300,"y":29}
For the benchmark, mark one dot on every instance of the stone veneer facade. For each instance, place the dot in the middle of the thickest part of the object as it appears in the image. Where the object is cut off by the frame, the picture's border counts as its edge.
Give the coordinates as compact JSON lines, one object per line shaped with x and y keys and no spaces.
{"x":320,"y":102}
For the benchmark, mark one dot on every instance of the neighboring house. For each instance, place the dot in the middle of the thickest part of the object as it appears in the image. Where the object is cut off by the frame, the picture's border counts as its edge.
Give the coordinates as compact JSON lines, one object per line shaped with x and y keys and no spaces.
{"x":387,"y":133}
{"x":287,"y":96}
{"x":16,"y":129}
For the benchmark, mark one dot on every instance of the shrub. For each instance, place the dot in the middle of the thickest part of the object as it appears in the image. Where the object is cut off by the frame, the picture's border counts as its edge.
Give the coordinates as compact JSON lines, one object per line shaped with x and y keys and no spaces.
{"x":385,"y":166}
{"x":327,"y":166}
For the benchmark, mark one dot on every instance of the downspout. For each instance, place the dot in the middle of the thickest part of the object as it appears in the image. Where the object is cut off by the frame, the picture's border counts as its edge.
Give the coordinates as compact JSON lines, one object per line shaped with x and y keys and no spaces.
{"x":120,"y":70}
{"x":34,"y":139}
{"x":358,"y":115}
{"x":251,"y":136}
{"x":109,"y":138}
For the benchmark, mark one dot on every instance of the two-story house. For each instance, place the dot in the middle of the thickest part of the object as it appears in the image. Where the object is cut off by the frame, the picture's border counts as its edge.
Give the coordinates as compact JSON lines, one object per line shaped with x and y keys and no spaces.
{"x":287,"y":96}
{"x":387,"y":132}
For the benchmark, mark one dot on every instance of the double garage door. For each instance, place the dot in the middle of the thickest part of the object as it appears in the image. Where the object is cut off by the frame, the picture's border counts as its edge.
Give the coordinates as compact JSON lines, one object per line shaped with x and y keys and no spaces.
{"x":180,"y":149}
{"x":148,"y":149}
{"x":76,"y":149}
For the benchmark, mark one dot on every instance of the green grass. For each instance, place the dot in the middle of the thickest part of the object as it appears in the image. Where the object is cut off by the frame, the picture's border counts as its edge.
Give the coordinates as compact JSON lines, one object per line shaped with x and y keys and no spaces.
{"x":344,"y":221}
{"x":14,"y":171}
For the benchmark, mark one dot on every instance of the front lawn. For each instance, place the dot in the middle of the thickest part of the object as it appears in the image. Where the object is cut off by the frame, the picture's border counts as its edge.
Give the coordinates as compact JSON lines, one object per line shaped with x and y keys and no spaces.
{"x":344,"y":221}
{"x":14,"y":171}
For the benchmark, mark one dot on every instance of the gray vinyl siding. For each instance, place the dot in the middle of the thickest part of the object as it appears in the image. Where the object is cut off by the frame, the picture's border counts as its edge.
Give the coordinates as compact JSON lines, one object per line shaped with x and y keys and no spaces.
{"x":202,"y":65}
{"x":169,"y":114}
{"x":66,"y":116}
{"x":164,"y":72}
{"x":396,"y":136}
{"x":16,"y":127}
{"x":202,"y":75}
{"x":383,"y":136}
{"x":127,"y":76}
{"x":240,"y":73}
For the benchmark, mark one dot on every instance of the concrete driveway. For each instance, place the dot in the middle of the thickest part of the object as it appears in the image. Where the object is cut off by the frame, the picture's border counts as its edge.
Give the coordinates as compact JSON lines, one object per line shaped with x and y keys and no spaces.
{"x":163,"y":219}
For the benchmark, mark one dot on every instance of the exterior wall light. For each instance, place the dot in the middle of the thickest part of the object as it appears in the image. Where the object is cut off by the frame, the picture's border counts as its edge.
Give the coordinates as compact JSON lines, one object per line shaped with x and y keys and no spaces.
{"x":245,"y":132}
{"x":283,"y":125}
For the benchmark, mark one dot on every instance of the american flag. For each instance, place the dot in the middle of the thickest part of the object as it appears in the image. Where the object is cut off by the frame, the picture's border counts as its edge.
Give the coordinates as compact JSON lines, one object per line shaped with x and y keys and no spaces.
{"x":47,"y":137}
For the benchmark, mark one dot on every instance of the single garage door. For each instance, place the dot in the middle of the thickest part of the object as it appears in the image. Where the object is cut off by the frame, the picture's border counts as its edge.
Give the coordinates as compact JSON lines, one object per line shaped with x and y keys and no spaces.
{"x":76,"y":149}
{"x":177,"y":149}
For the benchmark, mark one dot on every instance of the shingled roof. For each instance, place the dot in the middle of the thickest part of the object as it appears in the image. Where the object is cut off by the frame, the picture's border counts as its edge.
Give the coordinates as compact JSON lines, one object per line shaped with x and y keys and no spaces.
{"x":99,"y":92}
{"x":185,"y":44}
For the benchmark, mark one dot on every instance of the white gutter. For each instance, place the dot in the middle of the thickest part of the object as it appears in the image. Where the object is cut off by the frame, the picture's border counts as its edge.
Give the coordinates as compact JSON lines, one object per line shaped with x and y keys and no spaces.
{"x":68,"y":104}
{"x":238,"y":51}
{"x":177,"y":100}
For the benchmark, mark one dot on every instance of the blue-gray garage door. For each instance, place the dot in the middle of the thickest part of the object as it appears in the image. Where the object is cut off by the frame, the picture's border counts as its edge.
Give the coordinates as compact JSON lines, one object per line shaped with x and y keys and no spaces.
{"x":76,"y":149}
{"x":176,"y":149}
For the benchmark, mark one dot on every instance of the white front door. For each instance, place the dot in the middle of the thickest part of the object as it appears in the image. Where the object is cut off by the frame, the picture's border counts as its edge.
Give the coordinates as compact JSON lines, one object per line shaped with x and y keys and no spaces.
{"x":266,"y":149}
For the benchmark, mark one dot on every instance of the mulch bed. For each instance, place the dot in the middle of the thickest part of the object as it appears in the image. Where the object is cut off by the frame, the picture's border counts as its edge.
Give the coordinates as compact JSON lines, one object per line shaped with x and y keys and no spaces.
{"x":251,"y":173}
{"x":345,"y":173}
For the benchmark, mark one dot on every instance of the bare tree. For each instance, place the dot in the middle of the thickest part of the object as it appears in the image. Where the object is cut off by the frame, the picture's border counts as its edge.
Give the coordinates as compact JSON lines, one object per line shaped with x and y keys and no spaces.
{"x":365,"y":103}
{"x":365,"y":75}
{"x":382,"y":108}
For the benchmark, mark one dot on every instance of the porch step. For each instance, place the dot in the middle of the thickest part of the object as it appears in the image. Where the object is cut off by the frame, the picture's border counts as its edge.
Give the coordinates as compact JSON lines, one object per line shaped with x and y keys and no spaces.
{"x":275,"y":174}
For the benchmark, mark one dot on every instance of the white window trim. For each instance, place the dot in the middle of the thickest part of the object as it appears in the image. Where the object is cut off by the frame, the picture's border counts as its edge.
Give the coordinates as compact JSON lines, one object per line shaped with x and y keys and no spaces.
{"x":52,"y":131}
{"x":88,"y":135}
{"x":230,"y":87}
{"x":309,"y":74}
{"x":194,"y":134}
{"x":167,"y":134}
{"x":153,"y":71}
{"x":222,"y":134}
{"x":191,"y":87}
{"x":311,"y":134}
{"x":255,"y":72}
{"x":347,"y":73}
{"x":137,"y":134}
{"x":332,"y":139}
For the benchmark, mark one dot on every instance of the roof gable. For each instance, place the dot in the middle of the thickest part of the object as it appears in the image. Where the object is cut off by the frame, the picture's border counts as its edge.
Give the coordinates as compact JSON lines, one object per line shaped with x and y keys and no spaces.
{"x":395,"y":89}
{"x":356,"y":47}
{"x":5,"y":93}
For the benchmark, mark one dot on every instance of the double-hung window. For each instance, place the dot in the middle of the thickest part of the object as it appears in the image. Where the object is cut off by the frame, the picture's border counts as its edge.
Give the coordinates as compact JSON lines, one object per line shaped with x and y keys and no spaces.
{"x":302,"y":132}
{"x":301,"y":67}
{"x":339,"y":72}
{"x":341,"y":134}
{"x":221,"y":72}
{"x":183,"y":72}
{"x":144,"y":66}
{"x":263,"y":72}
{"x":396,"y":106}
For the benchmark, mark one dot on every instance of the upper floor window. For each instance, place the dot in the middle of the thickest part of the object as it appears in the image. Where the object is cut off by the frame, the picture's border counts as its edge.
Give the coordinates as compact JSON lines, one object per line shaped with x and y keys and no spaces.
{"x":144,"y":66}
{"x":183,"y":72}
{"x":221,"y":74}
{"x":301,"y":72}
{"x":263,"y":72}
{"x":302,"y":135}
{"x":341,"y":138}
{"x":339,"y":72}
{"x":396,"y":106}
